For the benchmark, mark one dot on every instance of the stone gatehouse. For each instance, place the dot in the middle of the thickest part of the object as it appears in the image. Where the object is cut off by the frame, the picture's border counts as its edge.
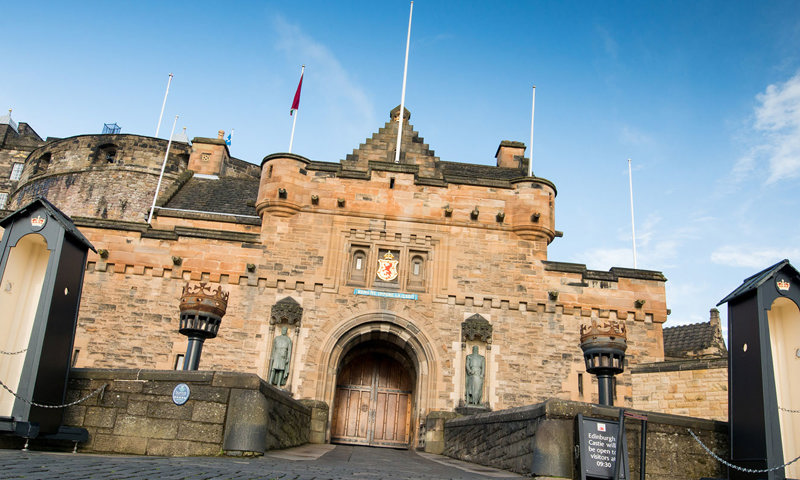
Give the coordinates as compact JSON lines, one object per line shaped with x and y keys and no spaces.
{"x":383,"y":275}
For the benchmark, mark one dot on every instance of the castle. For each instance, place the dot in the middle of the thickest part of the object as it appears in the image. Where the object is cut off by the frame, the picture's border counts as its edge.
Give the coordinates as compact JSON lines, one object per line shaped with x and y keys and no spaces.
{"x":383,"y":276}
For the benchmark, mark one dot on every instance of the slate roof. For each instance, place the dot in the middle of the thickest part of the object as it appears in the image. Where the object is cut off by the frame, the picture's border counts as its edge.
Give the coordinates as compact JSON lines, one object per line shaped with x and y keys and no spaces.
{"x":223,"y":195}
{"x":684,"y":340}
{"x":755,"y":281}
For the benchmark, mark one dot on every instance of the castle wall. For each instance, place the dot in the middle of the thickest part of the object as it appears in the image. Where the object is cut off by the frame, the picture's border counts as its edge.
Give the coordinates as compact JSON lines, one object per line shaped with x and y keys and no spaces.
{"x":696,"y":388}
{"x":129,"y":310}
{"x":468,"y":240}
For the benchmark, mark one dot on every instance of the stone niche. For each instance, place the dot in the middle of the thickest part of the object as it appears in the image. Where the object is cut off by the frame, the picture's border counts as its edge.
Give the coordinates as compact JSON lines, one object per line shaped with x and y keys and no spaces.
{"x":476,"y":337}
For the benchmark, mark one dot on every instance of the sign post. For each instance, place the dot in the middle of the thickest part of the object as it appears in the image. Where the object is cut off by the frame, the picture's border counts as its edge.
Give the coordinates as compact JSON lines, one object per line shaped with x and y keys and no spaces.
{"x":598,"y":441}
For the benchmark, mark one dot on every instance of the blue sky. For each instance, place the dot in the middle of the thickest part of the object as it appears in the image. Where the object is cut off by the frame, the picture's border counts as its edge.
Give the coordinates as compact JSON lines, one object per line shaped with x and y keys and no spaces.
{"x":704,"y":97}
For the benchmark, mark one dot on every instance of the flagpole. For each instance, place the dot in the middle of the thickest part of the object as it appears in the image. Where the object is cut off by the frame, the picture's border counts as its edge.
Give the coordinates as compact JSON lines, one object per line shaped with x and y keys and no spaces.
{"x":403,"y":95}
{"x":164,"y":104}
{"x":530,"y":159}
{"x":633,"y":229}
{"x":294,"y":122}
{"x":163,"y":166}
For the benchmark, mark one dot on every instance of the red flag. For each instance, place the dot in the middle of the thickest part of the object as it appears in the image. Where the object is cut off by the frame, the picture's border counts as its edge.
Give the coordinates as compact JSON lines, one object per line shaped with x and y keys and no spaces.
{"x":296,"y":102}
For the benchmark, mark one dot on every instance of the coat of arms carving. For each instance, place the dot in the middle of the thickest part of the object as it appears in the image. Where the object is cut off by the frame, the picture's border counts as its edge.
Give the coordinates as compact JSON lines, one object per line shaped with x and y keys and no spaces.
{"x":387,"y":267}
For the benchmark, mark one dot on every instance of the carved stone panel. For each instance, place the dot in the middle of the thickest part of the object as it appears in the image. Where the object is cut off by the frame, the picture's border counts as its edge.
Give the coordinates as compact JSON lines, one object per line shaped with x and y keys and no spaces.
{"x":286,"y":310}
{"x":476,"y":328}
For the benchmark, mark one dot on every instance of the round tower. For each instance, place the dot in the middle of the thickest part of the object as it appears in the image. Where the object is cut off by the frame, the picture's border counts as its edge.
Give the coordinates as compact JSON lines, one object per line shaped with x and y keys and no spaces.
{"x":104,"y":176}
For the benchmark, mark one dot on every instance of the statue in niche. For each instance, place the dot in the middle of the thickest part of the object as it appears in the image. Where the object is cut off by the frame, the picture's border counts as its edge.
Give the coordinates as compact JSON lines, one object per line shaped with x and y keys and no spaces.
{"x":476,"y":365}
{"x":281,"y":357}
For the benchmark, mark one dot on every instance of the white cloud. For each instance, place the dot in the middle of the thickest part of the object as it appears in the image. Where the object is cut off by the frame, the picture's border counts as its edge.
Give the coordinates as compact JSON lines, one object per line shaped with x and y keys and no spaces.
{"x":682,"y":299}
{"x":629,"y":135}
{"x":605,"y":258}
{"x":658,"y":244}
{"x":610,"y":46}
{"x":777,"y":127}
{"x":346,"y":102}
{"x":751,"y":257}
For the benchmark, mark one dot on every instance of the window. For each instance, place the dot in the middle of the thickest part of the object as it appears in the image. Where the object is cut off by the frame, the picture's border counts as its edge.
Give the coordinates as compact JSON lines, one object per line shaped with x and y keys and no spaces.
{"x":42,"y":163}
{"x":75,"y":357}
{"x":614,"y":388}
{"x":358,"y":265}
{"x":16,"y":171}
{"x":178,"y":362}
{"x":580,"y":384}
{"x":3,"y":200}
{"x":107,"y":153}
{"x":416,"y":271}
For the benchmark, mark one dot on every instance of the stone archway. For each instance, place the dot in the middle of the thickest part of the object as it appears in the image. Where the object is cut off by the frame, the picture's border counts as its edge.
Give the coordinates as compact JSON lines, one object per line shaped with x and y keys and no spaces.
{"x":378,"y":375}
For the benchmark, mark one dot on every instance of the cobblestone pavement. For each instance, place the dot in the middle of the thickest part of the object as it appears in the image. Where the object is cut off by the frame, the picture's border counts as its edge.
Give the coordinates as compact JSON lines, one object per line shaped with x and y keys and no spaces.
{"x":311,"y":462}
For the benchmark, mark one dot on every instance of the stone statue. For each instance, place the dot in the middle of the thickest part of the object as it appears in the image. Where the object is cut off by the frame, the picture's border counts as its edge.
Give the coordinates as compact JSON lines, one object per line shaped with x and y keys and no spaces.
{"x":281,"y":357}
{"x":476,"y":365}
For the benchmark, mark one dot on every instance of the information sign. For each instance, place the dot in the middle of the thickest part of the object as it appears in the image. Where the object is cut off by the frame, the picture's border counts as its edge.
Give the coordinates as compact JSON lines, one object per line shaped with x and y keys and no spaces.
{"x":378,"y":293}
{"x":598,"y":441}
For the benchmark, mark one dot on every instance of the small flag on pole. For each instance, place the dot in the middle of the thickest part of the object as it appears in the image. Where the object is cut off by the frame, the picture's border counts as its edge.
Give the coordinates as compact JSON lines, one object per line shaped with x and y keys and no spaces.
{"x":228,"y":139}
{"x":296,"y":101}
{"x":296,"y":106}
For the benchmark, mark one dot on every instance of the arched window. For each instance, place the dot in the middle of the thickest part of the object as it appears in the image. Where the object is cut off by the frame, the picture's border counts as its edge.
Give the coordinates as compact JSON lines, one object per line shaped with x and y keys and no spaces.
{"x":416,"y":271}
{"x":106,"y":153}
{"x":358,"y":265}
{"x":42,"y":163}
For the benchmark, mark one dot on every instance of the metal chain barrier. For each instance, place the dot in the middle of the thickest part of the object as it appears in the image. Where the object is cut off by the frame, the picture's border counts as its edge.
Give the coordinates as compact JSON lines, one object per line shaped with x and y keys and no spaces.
{"x":13,"y":353}
{"x":736,"y":467}
{"x":41,"y":405}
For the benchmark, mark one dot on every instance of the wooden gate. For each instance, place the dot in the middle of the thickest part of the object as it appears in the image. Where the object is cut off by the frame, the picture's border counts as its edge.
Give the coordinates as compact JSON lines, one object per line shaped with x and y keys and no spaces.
{"x":373,"y":403}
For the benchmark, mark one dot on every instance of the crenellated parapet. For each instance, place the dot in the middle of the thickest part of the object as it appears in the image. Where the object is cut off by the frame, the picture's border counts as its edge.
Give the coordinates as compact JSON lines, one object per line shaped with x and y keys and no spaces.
{"x":420,"y":188}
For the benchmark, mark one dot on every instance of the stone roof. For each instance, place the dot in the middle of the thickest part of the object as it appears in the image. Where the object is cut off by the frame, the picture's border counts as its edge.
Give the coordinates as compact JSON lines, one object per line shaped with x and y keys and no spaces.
{"x":695,"y":340}
{"x":20,"y":136}
{"x":229,"y":195}
{"x":416,"y":156}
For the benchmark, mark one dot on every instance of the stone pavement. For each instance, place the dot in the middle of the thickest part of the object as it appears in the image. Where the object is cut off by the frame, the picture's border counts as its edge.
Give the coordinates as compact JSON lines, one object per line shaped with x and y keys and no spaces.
{"x":309,"y":462}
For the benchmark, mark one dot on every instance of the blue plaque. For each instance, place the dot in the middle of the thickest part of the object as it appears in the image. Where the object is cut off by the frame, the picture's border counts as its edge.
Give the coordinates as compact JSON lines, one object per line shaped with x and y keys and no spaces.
{"x":180,"y":394}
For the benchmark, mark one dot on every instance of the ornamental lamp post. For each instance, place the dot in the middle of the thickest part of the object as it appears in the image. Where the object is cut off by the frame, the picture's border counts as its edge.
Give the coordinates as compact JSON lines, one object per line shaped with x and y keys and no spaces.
{"x":202,"y":309}
{"x":604,"y":348}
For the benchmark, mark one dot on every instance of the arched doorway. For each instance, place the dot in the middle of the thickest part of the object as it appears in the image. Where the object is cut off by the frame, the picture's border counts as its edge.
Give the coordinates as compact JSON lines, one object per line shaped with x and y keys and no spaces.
{"x":374,"y":397}
{"x":784,"y":335}
{"x":370,"y":338}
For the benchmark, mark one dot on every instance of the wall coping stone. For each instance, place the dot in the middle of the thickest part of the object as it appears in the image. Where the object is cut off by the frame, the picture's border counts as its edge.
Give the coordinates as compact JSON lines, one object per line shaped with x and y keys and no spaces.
{"x":681,"y":365}
{"x":556,"y":408}
{"x":612,"y":275}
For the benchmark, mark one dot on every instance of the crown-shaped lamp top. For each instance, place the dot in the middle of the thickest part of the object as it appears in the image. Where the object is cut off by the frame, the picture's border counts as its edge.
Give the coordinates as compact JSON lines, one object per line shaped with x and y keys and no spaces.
{"x":204,"y":298}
